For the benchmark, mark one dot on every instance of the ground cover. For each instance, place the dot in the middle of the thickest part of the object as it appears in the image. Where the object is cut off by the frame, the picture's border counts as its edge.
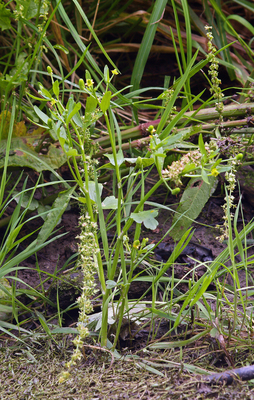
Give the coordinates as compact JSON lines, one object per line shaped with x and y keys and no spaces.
{"x":126,"y":207}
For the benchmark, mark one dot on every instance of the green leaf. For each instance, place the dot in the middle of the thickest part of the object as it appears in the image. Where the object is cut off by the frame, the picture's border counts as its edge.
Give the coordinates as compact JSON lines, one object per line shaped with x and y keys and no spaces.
{"x":42,"y":210}
{"x":54,"y":215}
{"x":110,"y":203}
{"x":62,"y":48}
{"x":105,"y":102}
{"x":56,"y":88}
{"x":26,"y":199}
{"x":147,"y":217}
{"x":77,"y":119}
{"x":29,"y":8}
{"x":111,"y":284}
{"x":21,"y":69}
{"x":41,"y":115}
{"x":147,"y":41}
{"x":45,"y":93}
{"x":21,"y":155}
{"x":72,"y":153}
{"x":202,"y":148}
{"x":75,"y":110}
{"x":188,"y":168}
{"x":119,"y":158}
{"x":195,"y":196}
{"x":91,"y":104}
{"x":5,"y":17}
{"x":204,"y":176}
{"x":92,"y":190}
{"x":66,"y":330}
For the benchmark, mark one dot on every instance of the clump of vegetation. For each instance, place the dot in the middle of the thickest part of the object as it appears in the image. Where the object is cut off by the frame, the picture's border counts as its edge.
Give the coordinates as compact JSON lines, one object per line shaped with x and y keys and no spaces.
{"x":88,"y":116}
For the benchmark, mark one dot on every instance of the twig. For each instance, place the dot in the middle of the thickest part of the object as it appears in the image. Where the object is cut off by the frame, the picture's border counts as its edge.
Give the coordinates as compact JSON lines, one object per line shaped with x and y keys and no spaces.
{"x":227,"y":377}
{"x":102,"y":349}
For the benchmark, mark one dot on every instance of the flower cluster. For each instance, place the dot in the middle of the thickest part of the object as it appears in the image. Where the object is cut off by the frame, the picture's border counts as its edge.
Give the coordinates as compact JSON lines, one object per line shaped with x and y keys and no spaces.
{"x":174,"y":171}
{"x":229,"y":200}
{"x":213,"y":71}
{"x":88,"y":250}
{"x":166,"y":96}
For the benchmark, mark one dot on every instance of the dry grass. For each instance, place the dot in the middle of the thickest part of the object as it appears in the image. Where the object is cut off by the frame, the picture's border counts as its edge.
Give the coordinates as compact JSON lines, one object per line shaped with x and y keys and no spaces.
{"x":33,"y":373}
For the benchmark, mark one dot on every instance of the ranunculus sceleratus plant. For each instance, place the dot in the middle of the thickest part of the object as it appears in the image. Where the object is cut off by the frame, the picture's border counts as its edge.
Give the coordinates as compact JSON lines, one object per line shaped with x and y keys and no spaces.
{"x":73,"y":131}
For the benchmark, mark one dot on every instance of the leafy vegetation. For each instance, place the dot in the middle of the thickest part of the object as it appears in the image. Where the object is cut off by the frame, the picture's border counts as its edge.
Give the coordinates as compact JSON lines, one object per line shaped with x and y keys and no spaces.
{"x":75,"y":92}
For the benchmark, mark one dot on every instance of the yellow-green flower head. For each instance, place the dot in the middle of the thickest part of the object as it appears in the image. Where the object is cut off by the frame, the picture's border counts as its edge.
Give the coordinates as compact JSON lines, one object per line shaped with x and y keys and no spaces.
{"x":136,"y":244}
{"x":89,"y":82}
{"x":115,"y":72}
{"x":214,"y":172}
{"x":151,"y":129}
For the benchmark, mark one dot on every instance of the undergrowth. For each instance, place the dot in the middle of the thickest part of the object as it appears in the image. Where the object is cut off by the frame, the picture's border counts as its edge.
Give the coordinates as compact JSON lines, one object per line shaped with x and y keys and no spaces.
{"x":89,"y":117}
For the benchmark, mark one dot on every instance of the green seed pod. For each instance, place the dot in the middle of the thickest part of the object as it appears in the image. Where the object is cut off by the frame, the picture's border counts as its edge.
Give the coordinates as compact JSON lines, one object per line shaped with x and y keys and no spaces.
{"x":49,"y":69}
{"x":139,"y":162}
{"x":175,"y":191}
{"x":239,"y":156}
{"x":81,"y":84}
{"x":50,"y":123}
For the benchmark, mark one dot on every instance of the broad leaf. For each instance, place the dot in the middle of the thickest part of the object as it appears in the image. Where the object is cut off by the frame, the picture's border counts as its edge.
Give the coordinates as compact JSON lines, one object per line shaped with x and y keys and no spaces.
{"x":22,"y":155}
{"x":110,"y":203}
{"x":195,"y":196}
{"x":105,"y":102}
{"x":92,"y":190}
{"x":119,"y":158}
{"x":147,"y":217}
{"x":54,"y":215}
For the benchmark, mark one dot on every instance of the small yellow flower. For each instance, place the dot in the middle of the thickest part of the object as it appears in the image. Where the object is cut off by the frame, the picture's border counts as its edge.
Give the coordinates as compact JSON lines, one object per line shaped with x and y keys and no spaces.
{"x":214,"y":172}
{"x":151,"y":129}
{"x":115,"y":72}
{"x":89,"y":82}
{"x":136,"y":244}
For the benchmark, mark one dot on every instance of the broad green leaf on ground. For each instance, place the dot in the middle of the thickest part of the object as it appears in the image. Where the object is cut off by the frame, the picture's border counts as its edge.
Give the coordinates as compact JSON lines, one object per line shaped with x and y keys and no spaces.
{"x":25,"y":200}
{"x":54,"y":215}
{"x":23,"y":155}
{"x":147,"y":217}
{"x":195,"y":196}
